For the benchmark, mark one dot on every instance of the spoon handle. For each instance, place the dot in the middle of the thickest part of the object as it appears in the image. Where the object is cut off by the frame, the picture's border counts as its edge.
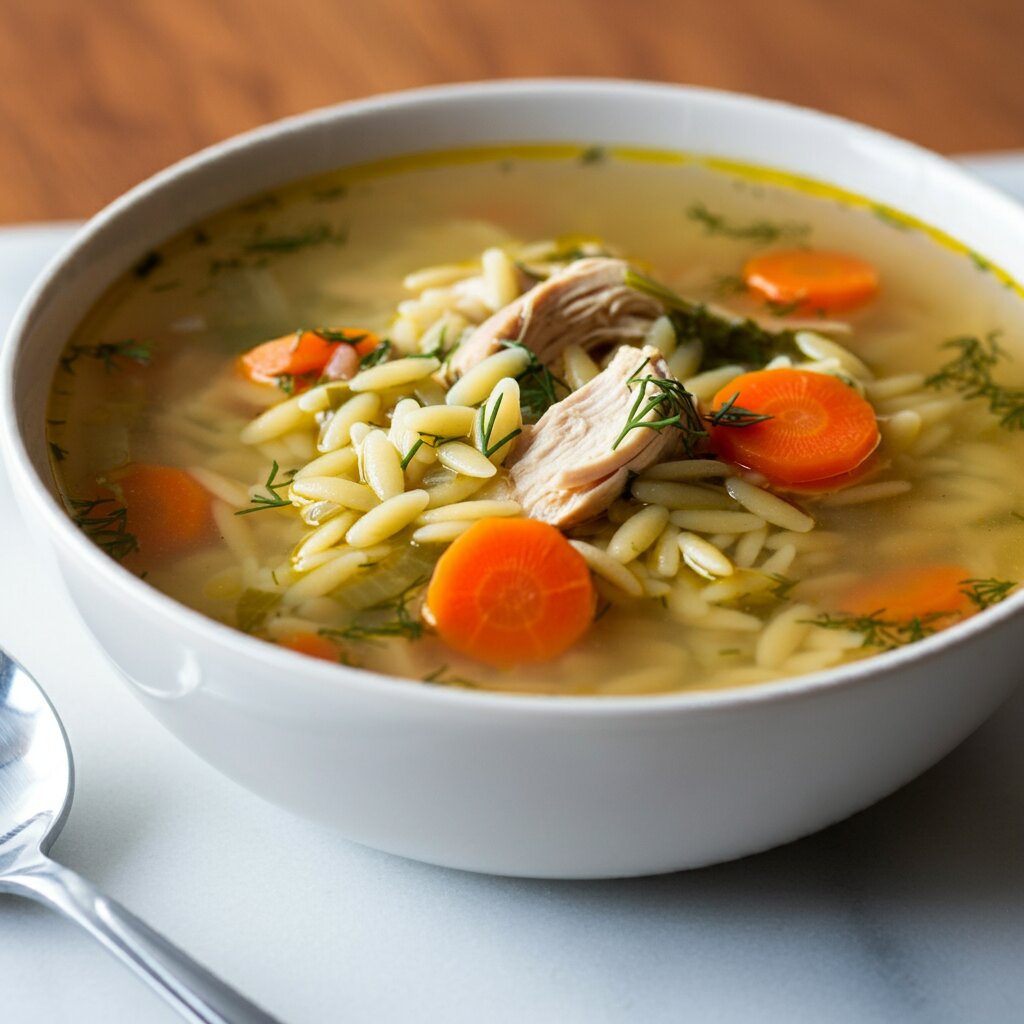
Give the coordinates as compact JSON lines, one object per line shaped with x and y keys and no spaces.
{"x":192,"y":990}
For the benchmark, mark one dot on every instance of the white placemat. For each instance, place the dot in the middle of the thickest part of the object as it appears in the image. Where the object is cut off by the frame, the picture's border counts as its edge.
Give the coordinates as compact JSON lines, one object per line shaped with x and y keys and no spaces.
{"x":912,"y":911}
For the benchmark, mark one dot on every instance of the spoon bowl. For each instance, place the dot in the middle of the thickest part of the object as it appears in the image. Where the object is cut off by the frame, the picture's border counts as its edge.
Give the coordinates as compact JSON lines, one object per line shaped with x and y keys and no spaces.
{"x":36,"y":787}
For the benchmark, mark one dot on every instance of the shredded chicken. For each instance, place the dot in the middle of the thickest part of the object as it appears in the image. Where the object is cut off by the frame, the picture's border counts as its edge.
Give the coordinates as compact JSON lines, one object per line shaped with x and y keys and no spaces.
{"x":587,"y":303}
{"x":568,"y":468}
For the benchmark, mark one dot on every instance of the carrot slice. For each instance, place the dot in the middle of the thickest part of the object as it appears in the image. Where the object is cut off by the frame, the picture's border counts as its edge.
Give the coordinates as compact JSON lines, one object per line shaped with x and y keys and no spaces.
{"x":912,"y":592}
{"x":302,"y":352}
{"x":511,"y":591}
{"x":312,"y":644}
{"x":819,"y":426}
{"x":169,"y":511}
{"x":812,"y":279}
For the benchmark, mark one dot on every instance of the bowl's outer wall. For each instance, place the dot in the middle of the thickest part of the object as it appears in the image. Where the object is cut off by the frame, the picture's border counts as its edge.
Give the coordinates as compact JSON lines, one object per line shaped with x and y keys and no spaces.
{"x":518,"y":786}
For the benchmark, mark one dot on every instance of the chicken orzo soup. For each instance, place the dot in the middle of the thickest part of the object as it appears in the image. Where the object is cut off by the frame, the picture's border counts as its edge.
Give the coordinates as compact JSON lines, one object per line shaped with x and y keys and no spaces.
{"x":557,"y":420}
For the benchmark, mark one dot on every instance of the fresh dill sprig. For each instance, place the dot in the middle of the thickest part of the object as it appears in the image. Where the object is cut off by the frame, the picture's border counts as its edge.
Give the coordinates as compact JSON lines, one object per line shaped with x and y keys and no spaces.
{"x":671,"y":403}
{"x":107,"y":528}
{"x":730,"y":414}
{"x":970,"y":374}
{"x":261,"y":502}
{"x":538,"y":386}
{"x":337,"y":337}
{"x":880,"y":632}
{"x":985,"y":593}
{"x":763,"y":232}
{"x":487,"y":419}
{"x":441,"y":677}
{"x":320,"y":234}
{"x":376,"y":356}
{"x":108,"y":353}
{"x":413,"y":449}
{"x":372,"y":624}
{"x":783,"y":586}
{"x":725,"y":341}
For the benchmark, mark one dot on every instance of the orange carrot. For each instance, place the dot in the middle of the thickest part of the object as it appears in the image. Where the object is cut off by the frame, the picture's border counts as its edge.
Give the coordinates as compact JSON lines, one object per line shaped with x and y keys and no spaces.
{"x":812,"y":279}
{"x":168,"y":511}
{"x":312,"y":644}
{"x":509,"y":591}
{"x":911,"y":592}
{"x":819,"y":428}
{"x":302,"y":352}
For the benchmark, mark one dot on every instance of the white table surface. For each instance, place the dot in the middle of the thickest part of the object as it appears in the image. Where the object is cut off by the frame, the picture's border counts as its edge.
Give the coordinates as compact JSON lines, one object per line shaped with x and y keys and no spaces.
{"x":912,"y":911}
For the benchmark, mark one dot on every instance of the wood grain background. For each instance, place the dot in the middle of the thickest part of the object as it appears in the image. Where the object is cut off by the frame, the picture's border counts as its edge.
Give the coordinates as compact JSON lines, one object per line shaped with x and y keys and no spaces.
{"x":97,"y":94}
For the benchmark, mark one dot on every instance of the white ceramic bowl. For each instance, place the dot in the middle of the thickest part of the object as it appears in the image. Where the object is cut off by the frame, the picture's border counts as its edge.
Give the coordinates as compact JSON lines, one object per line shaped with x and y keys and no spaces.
{"x":557,"y":787}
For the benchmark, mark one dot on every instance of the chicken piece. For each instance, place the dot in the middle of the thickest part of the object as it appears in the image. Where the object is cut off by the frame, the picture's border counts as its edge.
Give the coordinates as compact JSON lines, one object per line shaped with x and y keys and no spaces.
{"x":567,"y":467}
{"x":587,"y":303}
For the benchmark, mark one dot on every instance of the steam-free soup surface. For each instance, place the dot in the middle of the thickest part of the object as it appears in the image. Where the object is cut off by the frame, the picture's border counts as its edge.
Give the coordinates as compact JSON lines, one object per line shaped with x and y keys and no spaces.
{"x":704,"y":569}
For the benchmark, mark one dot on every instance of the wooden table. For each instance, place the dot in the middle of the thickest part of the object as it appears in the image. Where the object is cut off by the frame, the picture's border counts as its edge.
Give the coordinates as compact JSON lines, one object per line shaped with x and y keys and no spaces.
{"x":96,"y":95}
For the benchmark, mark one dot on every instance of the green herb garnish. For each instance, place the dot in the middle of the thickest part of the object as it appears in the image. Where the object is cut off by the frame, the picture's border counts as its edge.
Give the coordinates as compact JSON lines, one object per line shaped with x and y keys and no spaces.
{"x":985,"y":593}
{"x":388,"y":619}
{"x":732,"y":415}
{"x":763,"y":232}
{"x":725,"y":341}
{"x":376,"y":356}
{"x":59,"y":454}
{"x":970,"y":374}
{"x":886,"y":634}
{"x":108,"y":353}
{"x":441,"y":677}
{"x":147,"y":264}
{"x":271,"y":499}
{"x":669,"y":401}
{"x":487,"y":429}
{"x":538,"y":386}
{"x":107,"y":528}
{"x":319,"y":235}
{"x":593,"y":155}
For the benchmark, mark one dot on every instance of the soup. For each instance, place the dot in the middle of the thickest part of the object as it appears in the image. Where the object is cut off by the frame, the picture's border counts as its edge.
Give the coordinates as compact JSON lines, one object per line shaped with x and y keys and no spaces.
{"x":556,"y":420}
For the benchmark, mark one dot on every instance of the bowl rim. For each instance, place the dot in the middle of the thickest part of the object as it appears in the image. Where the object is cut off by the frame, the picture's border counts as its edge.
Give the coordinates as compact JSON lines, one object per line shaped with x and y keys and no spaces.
{"x":111,"y":574}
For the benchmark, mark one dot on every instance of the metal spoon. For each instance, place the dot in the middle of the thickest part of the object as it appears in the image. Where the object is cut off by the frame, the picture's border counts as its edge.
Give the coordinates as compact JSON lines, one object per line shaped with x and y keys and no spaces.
{"x":36,"y":786}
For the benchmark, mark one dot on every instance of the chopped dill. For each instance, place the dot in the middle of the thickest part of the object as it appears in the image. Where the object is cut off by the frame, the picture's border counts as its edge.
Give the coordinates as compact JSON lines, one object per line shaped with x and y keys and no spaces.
{"x":783,"y":586}
{"x":886,"y":634}
{"x":732,"y":415}
{"x":321,"y":234}
{"x":593,"y":155}
{"x":266,"y":202}
{"x":890,"y":217}
{"x":538,"y":386}
{"x":985,"y":593}
{"x":979,"y":261}
{"x":253,"y":607}
{"x":388,"y":619}
{"x":109,"y":353}
{"x":380,"y":354}
{"x":261,"y":502}
{"x":59,"y":454}
{"x":147,"y":264}
{"x":107,"y":528}
{"x":338,"y":337}
{"x":487,"y":429}
{"x":783,"y":308}
{"x":669,"y":401}
{"x":970,"y":374}
{"x":726,"y":285}
{"x":441,"y":677}
{"x":413,"y":449}
{"x":725,"y":341}
{"x":763,"y":232}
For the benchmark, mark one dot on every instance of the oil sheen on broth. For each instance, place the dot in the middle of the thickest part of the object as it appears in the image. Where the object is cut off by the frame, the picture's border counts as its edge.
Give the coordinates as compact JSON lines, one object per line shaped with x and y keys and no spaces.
{"x":151,"y":378}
